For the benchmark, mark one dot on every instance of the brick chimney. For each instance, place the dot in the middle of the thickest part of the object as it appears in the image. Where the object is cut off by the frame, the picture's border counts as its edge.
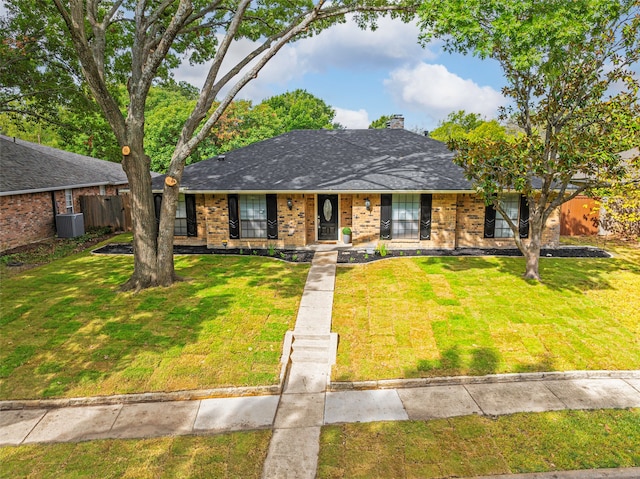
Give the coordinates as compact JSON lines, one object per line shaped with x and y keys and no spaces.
{"x":396,"y":122}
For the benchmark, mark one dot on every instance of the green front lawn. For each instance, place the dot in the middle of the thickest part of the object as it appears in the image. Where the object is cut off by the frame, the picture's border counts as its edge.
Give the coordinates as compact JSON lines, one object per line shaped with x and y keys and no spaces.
{"x":237,"y":455}
{"x":423,"y":317}
{"x":66,"y":330}
{"x":473,"y":445}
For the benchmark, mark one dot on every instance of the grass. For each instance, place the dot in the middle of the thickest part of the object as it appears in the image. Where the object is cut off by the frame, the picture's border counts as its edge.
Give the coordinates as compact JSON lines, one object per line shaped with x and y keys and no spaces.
{"x":423,"y":317}
{"x":49,"y":250}
{"x":66,"y":330}
{"x":237,"y":455}
{"x":472,"y":445}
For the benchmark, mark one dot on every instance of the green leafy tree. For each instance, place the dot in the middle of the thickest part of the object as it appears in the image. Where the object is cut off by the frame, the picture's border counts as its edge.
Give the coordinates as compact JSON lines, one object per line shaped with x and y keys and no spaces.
{"x":460,"y":124}
{"x":380,"y":123}
{"x":621,"y":201}
{"x":573,"y":94}
{"x":300,"y":110}
{"x":137,"y":43}
{"x":43,"y":97}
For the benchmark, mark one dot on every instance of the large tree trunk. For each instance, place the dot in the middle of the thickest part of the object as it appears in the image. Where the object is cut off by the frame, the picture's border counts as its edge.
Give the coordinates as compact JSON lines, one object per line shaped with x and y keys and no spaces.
{"x":136,"y":166}
{"x":166,"y":271}
{"x":532,"y":250}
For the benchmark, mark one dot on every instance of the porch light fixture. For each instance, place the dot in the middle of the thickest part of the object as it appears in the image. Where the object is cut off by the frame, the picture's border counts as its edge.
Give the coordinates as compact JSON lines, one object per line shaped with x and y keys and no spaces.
{"x":289,"y":203}
{"x":367,"y":204}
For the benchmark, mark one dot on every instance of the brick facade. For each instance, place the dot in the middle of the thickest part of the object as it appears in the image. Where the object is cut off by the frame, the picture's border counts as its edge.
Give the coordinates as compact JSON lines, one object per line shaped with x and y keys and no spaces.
{"x":470,"y":226}
{"x":457,"y":221}
{"x":30,"y":217}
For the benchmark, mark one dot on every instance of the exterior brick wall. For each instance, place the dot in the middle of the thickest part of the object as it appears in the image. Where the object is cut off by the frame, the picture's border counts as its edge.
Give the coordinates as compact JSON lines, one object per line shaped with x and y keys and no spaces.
{"x":457,"y":220}
{"x":346,"y":213}
{"x":443,"y":222}
{"x":291,"y":223}
{"x":292,"y":227}
{"x":29,"y":217}
{"x":365,"y":223}
{"x":470,"y":226}
{"x":310,"y":214}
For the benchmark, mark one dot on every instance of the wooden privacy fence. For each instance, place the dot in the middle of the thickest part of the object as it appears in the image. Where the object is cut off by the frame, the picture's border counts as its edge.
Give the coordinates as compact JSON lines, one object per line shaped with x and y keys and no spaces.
{"x":114,"y":211}
{"x":579,"y":217}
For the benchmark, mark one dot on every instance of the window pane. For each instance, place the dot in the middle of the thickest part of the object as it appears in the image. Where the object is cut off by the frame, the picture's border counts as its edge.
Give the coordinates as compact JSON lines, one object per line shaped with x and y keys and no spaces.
{"x":180,"y":227}
{"x":405,"y":216}
{"x":511,"y":205}
{"x":253,"y":216}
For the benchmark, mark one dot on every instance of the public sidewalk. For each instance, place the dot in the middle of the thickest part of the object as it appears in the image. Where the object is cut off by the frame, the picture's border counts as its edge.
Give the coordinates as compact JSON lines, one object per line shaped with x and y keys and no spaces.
{"x":308,"y":400}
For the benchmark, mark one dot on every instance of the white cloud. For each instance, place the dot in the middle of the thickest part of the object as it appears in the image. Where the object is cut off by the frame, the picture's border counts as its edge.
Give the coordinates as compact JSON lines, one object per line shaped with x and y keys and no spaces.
{"x":345,"y":45}
{"x":352,"y":119}
{"x":394,"y":43}
{"x":438,"y":92}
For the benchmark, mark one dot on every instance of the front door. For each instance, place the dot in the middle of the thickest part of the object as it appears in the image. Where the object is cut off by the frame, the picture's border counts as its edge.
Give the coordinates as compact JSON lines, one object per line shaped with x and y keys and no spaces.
{"x":327,"y":217}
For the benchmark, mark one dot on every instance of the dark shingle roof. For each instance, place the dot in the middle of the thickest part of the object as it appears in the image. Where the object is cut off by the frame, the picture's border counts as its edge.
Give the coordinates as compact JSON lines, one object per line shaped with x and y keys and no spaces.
{"x":28,"y":167}
{"x":331,"y":160}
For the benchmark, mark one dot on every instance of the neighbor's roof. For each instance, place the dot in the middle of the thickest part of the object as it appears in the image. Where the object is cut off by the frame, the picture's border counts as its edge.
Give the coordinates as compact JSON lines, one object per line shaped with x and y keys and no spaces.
{"x":31,"y":168}
{"x":330,"y":160}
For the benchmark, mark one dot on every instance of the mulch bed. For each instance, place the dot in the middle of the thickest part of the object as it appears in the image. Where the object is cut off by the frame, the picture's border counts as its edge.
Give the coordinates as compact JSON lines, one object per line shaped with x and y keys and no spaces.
{"x":293,"y":256}
{"x":363,"y":255}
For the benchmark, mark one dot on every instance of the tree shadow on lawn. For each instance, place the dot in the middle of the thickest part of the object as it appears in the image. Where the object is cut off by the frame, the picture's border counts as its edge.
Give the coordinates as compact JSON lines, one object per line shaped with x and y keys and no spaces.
{"x":93,"y":333}
{"x":558,"y":274}
{"x":482,"y":361}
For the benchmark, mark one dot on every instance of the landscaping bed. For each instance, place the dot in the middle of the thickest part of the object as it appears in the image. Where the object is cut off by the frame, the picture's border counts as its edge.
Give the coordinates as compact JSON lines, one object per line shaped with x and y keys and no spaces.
{"x":363,"y":255}
{"x":290,"y":255}
{"x":367,"y":256}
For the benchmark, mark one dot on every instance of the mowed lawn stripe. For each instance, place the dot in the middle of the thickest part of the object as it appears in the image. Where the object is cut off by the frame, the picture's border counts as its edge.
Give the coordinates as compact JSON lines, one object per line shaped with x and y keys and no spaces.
{"x":67,"y":330}
{"x":424,"y":317}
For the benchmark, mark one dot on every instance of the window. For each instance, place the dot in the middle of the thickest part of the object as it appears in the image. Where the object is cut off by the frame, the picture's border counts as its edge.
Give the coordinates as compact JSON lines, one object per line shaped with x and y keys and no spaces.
{"x":405,"y":216}
{"x":180,"y":228}
{"x":186,"y":223}
{"x":517,"y":209}
{"x":68,"y":198}
{"x":103,"y":190}
{"x":510,"y":204}
{"x":253,"y":216}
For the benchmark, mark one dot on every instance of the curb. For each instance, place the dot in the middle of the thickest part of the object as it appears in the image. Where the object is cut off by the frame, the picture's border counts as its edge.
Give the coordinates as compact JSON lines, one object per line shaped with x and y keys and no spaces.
{"x":192,"y":395}
{"x":489,"y":379}
{"x":622,"y":473}
{"x":276,"y":389}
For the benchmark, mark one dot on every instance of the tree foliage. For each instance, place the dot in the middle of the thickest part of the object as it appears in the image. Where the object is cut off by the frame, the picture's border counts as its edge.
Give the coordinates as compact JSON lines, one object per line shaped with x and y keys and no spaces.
{"x":572,"y":90}
{"x":621,"y":202}
{"x":138,"y":43}
{"x":380,"y":123}
{"x":300,"y":110}
{"x":460,"y":124}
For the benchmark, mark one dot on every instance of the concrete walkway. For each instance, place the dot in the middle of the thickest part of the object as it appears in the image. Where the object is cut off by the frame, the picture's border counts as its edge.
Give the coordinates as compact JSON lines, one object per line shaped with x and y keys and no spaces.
{"x":295,"y":444}
{"x":308,"y":401}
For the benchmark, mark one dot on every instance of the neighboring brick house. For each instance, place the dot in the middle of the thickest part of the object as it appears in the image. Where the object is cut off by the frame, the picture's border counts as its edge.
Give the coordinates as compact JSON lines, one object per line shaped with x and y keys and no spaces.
{"x":303,"y":187}
{"x":37,"y":182}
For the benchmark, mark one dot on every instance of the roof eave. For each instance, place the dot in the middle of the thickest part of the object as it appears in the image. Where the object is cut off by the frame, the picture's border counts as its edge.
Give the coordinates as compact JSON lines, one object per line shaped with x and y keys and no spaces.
{"x":59,"y":188}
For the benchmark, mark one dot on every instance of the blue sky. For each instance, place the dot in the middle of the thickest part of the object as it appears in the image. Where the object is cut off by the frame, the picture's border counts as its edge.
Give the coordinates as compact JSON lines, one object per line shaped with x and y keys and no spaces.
{"x":365,"y":74}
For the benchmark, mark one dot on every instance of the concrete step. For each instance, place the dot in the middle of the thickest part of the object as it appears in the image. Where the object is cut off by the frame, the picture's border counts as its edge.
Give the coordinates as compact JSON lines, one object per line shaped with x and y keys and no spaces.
{"x":314,"y":348}
{"x":311,"y":337}
{"x":311,"y":344}
{"x":319,"y":357}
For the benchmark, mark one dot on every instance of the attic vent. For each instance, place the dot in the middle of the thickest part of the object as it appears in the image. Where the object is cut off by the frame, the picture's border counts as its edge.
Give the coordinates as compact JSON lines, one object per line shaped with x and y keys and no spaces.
{"x":221,"y":157}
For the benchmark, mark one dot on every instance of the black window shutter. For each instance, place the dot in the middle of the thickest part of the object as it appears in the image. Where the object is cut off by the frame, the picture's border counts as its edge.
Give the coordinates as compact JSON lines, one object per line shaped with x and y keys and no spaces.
{"x":192,"y":222}
{"x":489,"y":221}
{"x":523,"y":224}
{"x":157,"y":205}
{"x":234,"y":221}
{"x":272,"y":216}
{"x":425,"y":216}
{"x":385,"y":217}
